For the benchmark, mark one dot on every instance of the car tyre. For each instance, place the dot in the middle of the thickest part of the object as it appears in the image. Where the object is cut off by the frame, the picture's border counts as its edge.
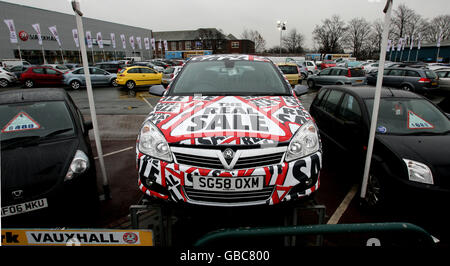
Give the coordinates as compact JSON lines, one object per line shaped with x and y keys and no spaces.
{"x":29,"y":83}
{"x":303,"y":76}
{"x":375,"y":197}
{"x":406,"y":87}
{"x":75,"y":85}
{"x":311,"y":84}
{"x":4,"y":83}
{"x":130,"y":84}
{"x":114,"y":83}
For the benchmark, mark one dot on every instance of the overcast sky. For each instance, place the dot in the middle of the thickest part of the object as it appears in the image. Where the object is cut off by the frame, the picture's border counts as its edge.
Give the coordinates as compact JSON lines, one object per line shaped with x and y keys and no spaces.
{"x":233,"y":16}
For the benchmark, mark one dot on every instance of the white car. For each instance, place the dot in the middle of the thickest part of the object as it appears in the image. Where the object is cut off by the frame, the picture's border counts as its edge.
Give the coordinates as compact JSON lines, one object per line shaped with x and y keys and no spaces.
{"x":444,"y":78}
{"x":6,"y":78}
{"x":311,"y":66}
{"x":8,"y":63}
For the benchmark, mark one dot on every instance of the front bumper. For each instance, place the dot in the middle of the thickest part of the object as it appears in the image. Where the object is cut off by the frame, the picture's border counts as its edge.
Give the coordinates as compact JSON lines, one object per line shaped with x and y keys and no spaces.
{"x":282,"y":182}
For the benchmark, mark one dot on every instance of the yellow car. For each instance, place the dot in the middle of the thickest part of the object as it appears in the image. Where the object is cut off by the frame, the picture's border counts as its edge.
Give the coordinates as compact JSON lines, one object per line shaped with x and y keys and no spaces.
{"x":131,"y":77}
{"x":290,"y":71}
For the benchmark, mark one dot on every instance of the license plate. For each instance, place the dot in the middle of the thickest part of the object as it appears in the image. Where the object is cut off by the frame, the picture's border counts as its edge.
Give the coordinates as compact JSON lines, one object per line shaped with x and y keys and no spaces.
{"x":359,"y":81}
{"x":434,"y":83}
{"x":24,"y":207}
{"x":248,"y":183}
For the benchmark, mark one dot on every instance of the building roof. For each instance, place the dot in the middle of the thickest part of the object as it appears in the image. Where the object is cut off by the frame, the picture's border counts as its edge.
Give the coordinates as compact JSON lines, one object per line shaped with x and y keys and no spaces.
{"x":188,"y":35}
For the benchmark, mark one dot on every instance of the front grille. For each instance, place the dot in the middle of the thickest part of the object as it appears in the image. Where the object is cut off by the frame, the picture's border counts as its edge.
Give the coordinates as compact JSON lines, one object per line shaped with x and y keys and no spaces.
{"x":228,"y":197}
{"x":242,"y":163}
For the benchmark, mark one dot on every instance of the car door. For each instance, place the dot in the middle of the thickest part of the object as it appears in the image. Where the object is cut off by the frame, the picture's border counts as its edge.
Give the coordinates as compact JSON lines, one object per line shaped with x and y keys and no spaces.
{"x":38,"y":76}
{"x":151,"y":77}
{"x":134,"y":74}
{"x":53,"y":76}
{"x":335,"y":76}
{"x":322,"y":76}
{"x":325,"y":114}
{"x":349,"y":130}
{"x":96,"y":75}
{"x":444,"y":79}
{"x":394,"y":78}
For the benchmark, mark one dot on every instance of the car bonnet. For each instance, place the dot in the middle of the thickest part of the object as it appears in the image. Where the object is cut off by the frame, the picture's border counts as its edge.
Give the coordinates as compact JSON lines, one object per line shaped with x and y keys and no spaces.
{"x":228,"y":120}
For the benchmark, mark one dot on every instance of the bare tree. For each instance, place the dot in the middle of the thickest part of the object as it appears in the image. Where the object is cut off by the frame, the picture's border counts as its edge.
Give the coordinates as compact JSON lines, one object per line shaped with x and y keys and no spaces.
{"x":358,"y":32}
{"x":293,"y":41}
{"x":329,"y":35}
{"x":402,"y":18}
{"x":434,"y":27}
{"x":256,"y":37}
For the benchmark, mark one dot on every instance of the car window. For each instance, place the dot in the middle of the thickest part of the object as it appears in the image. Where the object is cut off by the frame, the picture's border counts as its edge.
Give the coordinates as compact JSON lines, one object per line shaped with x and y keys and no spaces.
{"x":319,"y":97}
{"x":51,"y":71}
{"x":357,"y":72}
{"x":335,"y":72}
{"x":168,"y":70}
{"x":286,"y":69}
{"x":323,"y":99}
{"x":133,"y":71}
{"x":325,"y":72}
{"x":96,"y":71}
{"x":349,"y":109}
{"x":38,"y":70}
{"x":35,"y":119}
{"x":147,"y":70}
{"x":412,"y":73}
{"x":79,"y":71}
{"x":430,"y":74}
{"x":240,"y":77}
{"x":396,"y":72}
{"x":403,"y":116}
{"x":332,"y":101}
{"x":442,"y":74}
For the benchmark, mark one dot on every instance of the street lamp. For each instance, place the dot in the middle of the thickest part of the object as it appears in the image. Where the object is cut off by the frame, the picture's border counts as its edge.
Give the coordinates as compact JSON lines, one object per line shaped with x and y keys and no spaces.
{"x":281,"y":27}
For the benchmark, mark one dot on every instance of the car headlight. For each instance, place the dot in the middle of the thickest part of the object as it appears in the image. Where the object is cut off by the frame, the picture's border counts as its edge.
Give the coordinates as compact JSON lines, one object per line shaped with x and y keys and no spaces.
{"x":419,"y":172}
{"x":304,"y":142}
{"x":153,"y":143}
{"x":79,"y":165}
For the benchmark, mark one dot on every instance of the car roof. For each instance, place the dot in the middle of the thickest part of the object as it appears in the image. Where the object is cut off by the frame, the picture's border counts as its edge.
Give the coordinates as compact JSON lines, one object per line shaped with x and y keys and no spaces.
{"x":287,"y":64}
{"x":368,"y":92}
{"x":32,"y":95}
{"x":220,"y":57}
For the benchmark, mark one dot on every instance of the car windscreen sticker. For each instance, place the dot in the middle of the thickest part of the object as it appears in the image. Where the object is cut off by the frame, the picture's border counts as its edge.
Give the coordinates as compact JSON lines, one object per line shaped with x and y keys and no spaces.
{"x":381,"y":129}
{"x":21,"y":122}
{"x":417,"y":122}
{"x":228,"y":115}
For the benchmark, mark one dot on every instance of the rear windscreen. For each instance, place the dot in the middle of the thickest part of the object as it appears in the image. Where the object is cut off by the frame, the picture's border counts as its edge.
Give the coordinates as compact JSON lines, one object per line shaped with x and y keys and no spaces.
{"x":357,"y":72}
{"x":430,"y":74}
{"x":289,"y":69}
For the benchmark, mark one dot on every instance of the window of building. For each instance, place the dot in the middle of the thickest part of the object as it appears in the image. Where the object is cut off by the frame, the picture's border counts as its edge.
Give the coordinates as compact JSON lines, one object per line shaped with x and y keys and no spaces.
{"x":234,"y":44}
{"x":187,"y":45}
{"x":173,"y":46}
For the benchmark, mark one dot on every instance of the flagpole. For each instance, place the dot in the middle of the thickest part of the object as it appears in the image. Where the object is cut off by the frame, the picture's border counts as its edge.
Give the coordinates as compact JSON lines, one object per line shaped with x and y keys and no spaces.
{"x":20,"y":53}
{"x":62,"y":55}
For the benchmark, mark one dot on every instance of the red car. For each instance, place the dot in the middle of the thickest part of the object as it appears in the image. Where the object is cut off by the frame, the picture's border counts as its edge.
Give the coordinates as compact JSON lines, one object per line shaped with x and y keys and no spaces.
{"x":327,"y":63}
{"x":35,"y":76}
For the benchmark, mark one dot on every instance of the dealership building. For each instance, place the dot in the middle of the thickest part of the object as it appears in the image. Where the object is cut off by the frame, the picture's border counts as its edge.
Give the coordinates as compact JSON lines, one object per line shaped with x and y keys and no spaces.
{"x":179,"y":44}
{"x":24,"y":17}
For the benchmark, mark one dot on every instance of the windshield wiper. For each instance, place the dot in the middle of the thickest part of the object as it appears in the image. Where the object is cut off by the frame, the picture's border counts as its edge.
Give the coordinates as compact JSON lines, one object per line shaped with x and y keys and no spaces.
{"x":19,"y":141}
{"x":57,"y":132}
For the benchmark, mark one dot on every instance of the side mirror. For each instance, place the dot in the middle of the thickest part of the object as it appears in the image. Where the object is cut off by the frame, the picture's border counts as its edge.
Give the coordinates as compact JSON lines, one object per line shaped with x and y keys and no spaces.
{"x":448,"y":115}
{"x":88,"y":125}
{"x":157,"y":90}
{"x":301,"y":90}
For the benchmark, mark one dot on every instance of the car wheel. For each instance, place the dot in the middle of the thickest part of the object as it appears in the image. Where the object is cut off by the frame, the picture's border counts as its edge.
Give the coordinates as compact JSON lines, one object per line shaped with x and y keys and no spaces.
{"x":114,"y":83}
{"x":3,"y":83}
{"x":75,"y":85}
{"x":375,"y":193}
{"x":130,"y":84}
{"x":406,"y":87}
{"x":304,"y":76}
{"x":311,"y":84}
{"x":29,"y":83}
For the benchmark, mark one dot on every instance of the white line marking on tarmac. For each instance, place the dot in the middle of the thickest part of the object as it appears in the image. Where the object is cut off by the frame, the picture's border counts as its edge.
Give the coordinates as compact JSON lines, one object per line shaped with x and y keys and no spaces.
{"x":343,"y":206}
{"x":143,"y":98}
{"x":115,"y":152}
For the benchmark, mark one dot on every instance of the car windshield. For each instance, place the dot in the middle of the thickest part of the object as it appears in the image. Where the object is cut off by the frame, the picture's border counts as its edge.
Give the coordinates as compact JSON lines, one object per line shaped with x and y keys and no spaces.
{"x":400,"y":116}
{"x":227,"y":77}
{"x":286,"y":69}
{"x":169,"y":70}
{"x":35,"y":120}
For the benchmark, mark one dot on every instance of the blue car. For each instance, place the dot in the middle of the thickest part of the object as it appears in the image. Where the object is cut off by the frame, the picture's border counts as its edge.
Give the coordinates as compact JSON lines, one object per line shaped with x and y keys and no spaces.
{"x":76,"y":79}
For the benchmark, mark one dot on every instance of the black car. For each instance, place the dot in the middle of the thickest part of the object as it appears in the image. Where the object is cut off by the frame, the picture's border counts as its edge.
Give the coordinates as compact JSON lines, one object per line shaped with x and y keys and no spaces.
{"x":47,"y":164}
{"x":111,"y":67}
{"x":411,"y":155}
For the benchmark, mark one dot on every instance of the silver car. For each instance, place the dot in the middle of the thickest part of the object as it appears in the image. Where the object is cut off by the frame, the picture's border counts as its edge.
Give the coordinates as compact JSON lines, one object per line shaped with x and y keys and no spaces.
{"x":444,"y":78}
{"x":76,"y":79}
{"x":337,"y":76}
{"x":6,"y":78}
{"x":169,"y":74}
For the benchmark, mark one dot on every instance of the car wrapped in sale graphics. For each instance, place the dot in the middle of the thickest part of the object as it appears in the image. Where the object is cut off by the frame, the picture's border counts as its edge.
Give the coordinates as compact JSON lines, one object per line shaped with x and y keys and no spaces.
{"x":236,"y":136}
